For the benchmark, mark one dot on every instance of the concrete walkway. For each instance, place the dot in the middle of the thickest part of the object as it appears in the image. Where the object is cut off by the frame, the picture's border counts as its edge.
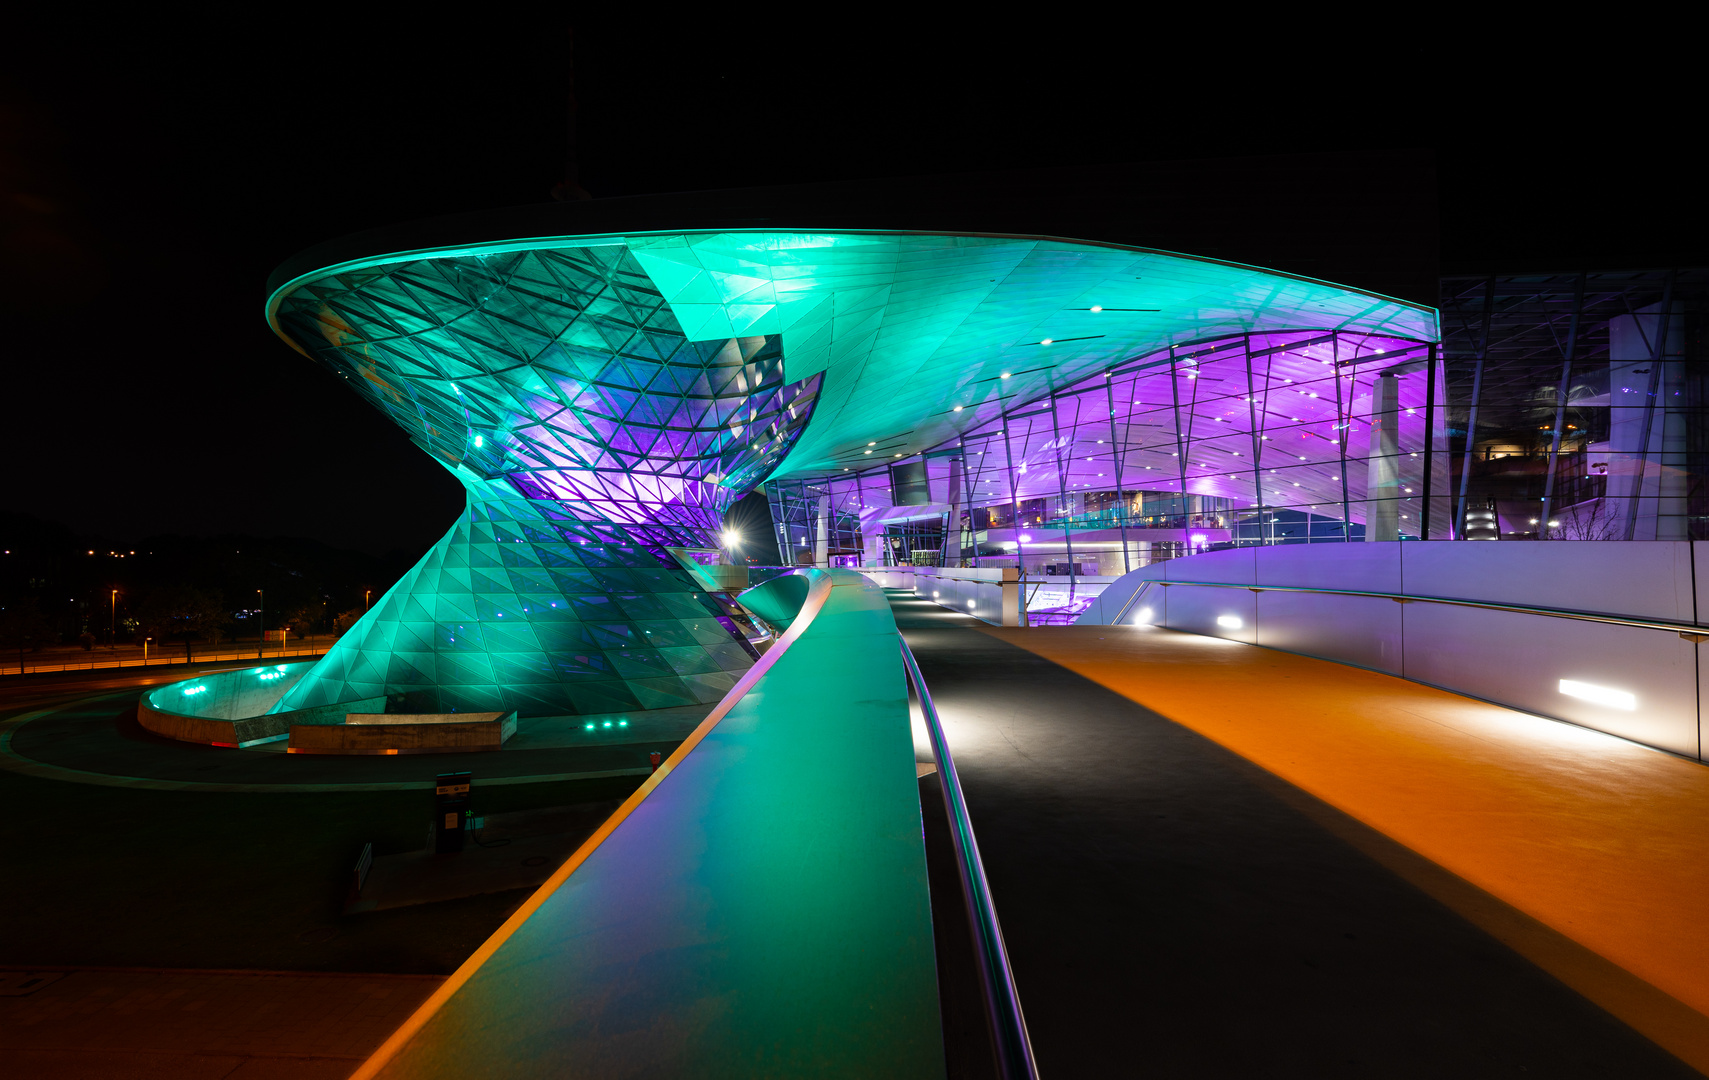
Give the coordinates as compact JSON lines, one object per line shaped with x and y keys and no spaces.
{"x":1173,"y":909}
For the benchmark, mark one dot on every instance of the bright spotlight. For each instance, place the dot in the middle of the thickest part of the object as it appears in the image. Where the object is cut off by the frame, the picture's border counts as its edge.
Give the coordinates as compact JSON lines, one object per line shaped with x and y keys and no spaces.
{"x":732,"y":538}
{"x":1229,"y":622}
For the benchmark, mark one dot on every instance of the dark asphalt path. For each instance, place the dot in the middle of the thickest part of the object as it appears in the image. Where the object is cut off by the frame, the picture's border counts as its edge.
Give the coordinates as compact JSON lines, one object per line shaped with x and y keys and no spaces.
{"x":1171,"y":912}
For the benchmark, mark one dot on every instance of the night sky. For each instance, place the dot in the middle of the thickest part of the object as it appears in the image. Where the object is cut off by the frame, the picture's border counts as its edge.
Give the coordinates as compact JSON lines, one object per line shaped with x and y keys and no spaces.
{"x":152,"y":174}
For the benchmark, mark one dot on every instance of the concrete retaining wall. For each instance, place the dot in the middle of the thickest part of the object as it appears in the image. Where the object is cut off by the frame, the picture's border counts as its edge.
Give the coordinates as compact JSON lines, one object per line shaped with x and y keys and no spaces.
{"x":439,"y":733}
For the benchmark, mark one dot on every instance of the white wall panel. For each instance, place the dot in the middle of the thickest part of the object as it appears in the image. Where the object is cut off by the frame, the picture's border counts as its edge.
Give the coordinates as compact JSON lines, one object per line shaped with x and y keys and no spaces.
{"x":1358,"y":630}
{"x":969,"y":596}
{"x":1151,"y":597}
{"x":1108,"y":605}
{"x":1642,"y":579}
{"x":1234,"y":566}
{"x":891,"y":579}
{"x":1519,"y":660}
{"x":1371,"y":567}
{"x":1196,"y":611}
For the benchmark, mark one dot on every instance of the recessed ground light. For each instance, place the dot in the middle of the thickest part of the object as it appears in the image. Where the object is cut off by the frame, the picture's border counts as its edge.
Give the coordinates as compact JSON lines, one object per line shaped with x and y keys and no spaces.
{"x":1047,"y":341}
{"x":1005,"y":375}
{"x":1600,"y":695}
{"x":1097,"y":307}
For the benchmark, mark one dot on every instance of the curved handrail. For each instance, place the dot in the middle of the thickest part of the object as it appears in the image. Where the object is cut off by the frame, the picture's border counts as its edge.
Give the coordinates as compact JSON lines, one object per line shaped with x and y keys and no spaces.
{"x":1695,"y":629}
{"x":1002,"y":1004}
{"x":818,"y":591}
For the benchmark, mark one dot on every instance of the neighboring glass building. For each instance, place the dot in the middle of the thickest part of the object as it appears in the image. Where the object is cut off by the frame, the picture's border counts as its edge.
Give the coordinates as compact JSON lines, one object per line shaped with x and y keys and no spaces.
{"x":1069,"y":407}
{"x":1585,"y":399}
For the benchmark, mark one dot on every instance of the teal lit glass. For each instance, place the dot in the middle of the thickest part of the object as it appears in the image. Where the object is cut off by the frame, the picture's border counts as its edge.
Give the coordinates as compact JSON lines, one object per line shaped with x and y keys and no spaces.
{"x":605,"y":398}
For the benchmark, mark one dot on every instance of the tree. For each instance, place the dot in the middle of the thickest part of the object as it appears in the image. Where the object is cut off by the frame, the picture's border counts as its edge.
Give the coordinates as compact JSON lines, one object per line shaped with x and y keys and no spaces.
{"x":345,"y":620}
{"x":181,"y":613}
{"x":1594,"y":519}
{"x":24,"y":627}
{"x":303,"y":617}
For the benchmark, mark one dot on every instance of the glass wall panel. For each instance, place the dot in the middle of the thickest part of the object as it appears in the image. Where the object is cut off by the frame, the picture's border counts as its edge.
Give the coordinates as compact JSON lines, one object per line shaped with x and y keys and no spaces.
{"x":1305,"y":437}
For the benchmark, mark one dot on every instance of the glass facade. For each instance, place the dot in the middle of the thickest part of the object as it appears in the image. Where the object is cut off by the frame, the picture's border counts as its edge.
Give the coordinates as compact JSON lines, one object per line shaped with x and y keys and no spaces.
{"x":596,"y":441}
{"x":1555,"y":407}
{"x":1293,"y":437}
{"x":521,"y":606}
{"x":1071,"y":408}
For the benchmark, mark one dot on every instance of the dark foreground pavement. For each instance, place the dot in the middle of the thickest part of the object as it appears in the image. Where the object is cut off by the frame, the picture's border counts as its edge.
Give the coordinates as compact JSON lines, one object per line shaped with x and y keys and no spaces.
{"x":1172,"y":911}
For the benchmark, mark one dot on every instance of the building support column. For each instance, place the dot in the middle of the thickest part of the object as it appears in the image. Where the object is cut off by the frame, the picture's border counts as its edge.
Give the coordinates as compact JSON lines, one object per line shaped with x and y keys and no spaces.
{"x":1066,"y":504}
{"x":822,"y":541}
{"x":1382,"y":484}
{"x":1344,"y":431}
{"x":1658,"y":349}
{"x":1472,"y":416}
{"x":1257,"y":442}
{"x":952,"y":528}
{"x":1116,"y":462}
{"x":1015,"y":509}
{"x":1561,"y":409}
{"x":1429,"y":440}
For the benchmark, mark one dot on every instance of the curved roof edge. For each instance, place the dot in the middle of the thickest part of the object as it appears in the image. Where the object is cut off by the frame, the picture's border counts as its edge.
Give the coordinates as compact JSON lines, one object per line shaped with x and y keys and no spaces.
{"x":742,"y":210}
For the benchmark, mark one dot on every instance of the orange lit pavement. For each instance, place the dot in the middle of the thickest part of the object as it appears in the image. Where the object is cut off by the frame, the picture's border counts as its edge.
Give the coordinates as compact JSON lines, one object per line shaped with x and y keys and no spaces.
{"x":1587,"y":854}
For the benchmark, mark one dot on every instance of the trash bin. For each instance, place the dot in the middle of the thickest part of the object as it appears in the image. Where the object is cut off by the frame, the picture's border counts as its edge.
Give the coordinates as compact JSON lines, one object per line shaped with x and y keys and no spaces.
{"x":450,"y":809}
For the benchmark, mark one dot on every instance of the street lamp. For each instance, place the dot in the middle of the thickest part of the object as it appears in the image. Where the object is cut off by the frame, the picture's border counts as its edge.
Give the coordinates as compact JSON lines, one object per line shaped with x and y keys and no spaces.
{"x":366,"y":593}
{"x":261,"y":618}
{"x":113,"y":624}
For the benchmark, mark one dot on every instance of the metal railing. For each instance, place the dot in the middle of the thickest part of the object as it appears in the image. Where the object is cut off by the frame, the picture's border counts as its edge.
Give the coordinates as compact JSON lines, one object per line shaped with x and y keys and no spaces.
{"x":1689,"y":631}
{"x":1010,"y":1043}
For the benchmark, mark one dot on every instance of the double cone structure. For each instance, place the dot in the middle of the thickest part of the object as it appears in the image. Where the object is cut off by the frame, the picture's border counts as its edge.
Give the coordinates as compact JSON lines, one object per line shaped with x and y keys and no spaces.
{"x":592,"y":436}
{"x":604,"y":397}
